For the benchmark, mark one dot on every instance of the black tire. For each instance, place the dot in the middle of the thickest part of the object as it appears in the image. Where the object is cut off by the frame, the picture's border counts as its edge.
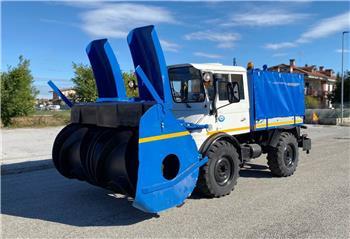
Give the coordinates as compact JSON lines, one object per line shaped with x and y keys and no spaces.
{"x":219,"y":175}
{"x":283,"y":159}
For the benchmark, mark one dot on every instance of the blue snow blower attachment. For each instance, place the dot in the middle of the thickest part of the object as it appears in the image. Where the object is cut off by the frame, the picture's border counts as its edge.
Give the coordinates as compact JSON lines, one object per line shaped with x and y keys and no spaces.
{"x":109,"y":80}
{"x":133,"y":146}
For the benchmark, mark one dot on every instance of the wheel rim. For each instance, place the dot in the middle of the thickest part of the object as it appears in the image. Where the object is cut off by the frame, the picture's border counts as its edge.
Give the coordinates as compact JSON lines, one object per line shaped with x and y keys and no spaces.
{"x":289,"y":156}
{"x":223,"y":171}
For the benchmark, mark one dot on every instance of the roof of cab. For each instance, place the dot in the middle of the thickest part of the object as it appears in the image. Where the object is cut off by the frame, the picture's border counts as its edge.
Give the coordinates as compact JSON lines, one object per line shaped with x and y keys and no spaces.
{"x":212,"y":67}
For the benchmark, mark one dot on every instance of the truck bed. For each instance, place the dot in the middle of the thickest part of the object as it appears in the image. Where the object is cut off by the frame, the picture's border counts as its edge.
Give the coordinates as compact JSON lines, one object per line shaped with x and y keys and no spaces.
{"x":276,"y":99}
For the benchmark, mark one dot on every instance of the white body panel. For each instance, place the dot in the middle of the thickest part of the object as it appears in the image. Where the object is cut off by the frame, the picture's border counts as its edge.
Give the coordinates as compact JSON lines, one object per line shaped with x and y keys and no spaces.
{"x":232,"y":118}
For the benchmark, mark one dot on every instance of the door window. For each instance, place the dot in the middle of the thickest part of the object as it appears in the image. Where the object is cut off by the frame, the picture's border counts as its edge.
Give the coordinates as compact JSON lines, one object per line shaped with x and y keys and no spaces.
{"x":239,"y":79}
{"x":222,"y":85}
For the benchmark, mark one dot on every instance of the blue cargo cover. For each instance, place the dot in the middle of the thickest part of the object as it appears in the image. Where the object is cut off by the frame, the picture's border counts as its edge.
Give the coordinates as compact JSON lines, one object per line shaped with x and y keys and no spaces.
{"x":275,"y":94}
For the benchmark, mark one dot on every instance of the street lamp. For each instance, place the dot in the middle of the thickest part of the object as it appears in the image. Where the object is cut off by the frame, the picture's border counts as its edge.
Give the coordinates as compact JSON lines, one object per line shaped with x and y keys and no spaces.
{"x":342,"y":76}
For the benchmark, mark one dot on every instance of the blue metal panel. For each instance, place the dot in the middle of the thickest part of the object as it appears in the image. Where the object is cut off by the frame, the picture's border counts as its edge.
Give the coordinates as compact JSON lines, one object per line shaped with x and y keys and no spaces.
{"x":147,"y":53}
{"x":154,"y":192}
{"x":251,"y":99}
{"x":109,"y":80}
{"x":275,"y":94}
{"x":191,"y":126}
{"x":142,"y":76}
{"x":58,"y":92}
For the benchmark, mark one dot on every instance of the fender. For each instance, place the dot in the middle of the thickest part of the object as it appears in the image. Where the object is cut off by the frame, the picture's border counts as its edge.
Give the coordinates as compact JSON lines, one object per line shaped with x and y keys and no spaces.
{"x":220,"y":136}
{"x":275,"y":134}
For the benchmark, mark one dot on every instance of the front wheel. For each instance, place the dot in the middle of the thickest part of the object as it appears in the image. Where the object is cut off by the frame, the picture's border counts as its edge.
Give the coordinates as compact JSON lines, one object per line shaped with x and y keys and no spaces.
{"x":219,"y":175}
{"x":283,"y":159}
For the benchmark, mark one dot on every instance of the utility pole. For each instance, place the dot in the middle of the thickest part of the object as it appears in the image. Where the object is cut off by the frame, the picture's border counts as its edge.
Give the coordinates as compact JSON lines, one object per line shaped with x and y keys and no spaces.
{"x":342,"y":77}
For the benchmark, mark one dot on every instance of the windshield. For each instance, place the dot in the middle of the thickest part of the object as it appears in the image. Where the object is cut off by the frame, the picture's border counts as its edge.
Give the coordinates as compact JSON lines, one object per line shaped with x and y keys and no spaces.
{"x":186,"y":84}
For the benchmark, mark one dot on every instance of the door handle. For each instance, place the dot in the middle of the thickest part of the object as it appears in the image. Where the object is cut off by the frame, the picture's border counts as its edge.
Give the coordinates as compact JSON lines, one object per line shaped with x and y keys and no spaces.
{"x":243,"y":119}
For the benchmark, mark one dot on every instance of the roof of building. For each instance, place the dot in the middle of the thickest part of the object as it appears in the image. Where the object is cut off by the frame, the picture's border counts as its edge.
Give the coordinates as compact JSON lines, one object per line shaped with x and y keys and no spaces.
{"x":310,"y":71}
{"x":64,"y":89}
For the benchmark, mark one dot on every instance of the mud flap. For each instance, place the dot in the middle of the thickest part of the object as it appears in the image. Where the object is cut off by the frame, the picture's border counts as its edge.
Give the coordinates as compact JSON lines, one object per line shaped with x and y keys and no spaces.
{"x":168,"y":162}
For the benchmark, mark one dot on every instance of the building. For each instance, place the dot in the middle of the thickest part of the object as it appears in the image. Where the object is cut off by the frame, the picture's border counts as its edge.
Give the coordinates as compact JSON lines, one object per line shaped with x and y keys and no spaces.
{"x":68,"y":92}
{"x":319,"y":82}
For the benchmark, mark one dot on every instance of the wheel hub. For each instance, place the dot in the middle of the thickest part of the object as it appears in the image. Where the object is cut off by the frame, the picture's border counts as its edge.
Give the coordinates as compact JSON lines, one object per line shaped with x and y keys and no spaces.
{"x":289,"y":156}
{"x":223,"y":171}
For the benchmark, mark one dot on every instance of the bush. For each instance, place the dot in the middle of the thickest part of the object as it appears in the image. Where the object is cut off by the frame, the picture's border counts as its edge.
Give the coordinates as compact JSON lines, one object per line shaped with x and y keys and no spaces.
{"x":85,"y":85}
{"x":336,"y":95}
{"x":312,"y":102}
{"x":17,"y":92}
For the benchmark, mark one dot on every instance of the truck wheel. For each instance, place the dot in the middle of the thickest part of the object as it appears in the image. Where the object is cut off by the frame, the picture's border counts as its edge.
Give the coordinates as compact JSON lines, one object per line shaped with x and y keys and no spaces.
{"x":219,"y":175}
{"x":283,"y":159}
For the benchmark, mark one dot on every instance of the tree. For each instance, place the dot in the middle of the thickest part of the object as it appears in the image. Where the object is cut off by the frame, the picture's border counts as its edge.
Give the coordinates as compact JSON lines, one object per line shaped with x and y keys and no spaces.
{"x":312,"y":102}
{"x":336,"y":95}
{"x":17,"y":91}
{"x":84,"y":83}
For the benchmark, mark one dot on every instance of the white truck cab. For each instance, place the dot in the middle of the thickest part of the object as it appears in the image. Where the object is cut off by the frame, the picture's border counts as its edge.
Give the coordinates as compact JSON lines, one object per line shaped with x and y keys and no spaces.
{"x":194,"y":98}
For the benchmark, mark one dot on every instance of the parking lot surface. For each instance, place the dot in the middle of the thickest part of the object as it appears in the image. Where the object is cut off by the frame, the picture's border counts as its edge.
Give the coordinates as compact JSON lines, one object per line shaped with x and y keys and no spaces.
{"x":314,"y":203}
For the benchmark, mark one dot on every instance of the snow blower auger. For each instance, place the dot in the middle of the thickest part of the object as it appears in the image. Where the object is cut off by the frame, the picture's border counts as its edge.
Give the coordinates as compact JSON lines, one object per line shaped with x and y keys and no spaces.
{"x":133,"y":146}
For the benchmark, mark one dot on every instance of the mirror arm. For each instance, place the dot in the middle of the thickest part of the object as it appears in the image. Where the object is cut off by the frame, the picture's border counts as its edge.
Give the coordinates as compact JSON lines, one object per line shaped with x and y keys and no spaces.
{"x":224,"y":106}
{"x":214,"y":111}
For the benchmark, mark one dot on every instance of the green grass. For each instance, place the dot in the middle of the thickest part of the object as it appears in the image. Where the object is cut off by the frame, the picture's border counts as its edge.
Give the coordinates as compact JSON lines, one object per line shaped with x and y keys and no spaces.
{"x":63,"y":113}
{"x":41,"y":119}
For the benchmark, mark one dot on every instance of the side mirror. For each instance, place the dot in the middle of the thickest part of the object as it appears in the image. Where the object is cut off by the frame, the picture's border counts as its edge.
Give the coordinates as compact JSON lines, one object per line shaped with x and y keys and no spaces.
{"x":131,"y":84}
{"x":207,"y":77}
{"x":233,"y":92}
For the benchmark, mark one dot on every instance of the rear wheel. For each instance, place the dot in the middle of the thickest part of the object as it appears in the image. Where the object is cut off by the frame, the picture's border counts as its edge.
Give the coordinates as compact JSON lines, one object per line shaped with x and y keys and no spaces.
{"x":283,"y":159}
{"x":219,"y":175}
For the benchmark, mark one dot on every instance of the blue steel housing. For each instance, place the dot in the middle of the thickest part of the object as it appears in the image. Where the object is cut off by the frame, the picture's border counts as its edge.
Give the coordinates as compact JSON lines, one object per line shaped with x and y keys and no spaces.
{"x":160,"y":133}
{"x":109,"y":80}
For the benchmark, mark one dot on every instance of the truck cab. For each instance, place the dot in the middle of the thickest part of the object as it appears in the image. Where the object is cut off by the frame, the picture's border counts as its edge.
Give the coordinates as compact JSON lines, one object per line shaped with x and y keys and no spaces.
{"x":211,"y":94}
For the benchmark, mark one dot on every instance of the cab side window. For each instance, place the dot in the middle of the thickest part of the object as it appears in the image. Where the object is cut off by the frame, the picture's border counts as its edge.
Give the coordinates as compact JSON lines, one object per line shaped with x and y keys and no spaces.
{"x":239,"y":79}
{"x":222,"y":87}
{"x":210,"y":91}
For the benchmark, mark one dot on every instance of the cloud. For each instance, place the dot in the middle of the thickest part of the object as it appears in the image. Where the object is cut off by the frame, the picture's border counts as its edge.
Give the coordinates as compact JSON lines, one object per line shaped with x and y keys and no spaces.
{"x":169,"y":46}
{"x":116,"y":20}
{"x":324,"y":28}
{"x":279,"y":54}
{"x":223,"y":39}
{"x":58,"y":22}
{"x":340,"y":50}
{"x":281,"y":45}
{"x":207,"y":55}
{"x":263,"y":17}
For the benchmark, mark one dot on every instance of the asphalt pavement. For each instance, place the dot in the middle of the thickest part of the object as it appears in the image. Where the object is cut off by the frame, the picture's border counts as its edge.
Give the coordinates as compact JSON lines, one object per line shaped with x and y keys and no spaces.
{"x":27,"y":144}
{"x":313,"y":203}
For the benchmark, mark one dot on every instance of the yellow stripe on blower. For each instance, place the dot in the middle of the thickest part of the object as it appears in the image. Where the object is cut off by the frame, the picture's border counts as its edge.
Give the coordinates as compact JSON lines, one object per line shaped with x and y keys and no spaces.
{"x":163,"y":136}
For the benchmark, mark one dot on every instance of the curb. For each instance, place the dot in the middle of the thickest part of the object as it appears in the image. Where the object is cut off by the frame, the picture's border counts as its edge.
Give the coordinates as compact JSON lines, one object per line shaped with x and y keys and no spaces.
{"x":24,"y":167}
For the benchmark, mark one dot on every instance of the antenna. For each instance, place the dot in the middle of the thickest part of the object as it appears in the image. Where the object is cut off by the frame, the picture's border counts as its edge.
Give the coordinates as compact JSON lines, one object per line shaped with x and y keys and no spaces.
{"x":234,"y":63}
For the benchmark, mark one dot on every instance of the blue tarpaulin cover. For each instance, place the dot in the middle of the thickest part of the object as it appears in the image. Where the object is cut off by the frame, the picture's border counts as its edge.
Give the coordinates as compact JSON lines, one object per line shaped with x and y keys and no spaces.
{"x":275,"y":94}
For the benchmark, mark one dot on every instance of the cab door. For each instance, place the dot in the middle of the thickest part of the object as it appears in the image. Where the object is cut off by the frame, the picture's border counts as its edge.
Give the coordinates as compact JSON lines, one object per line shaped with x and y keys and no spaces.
{"x":232,"y":118}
